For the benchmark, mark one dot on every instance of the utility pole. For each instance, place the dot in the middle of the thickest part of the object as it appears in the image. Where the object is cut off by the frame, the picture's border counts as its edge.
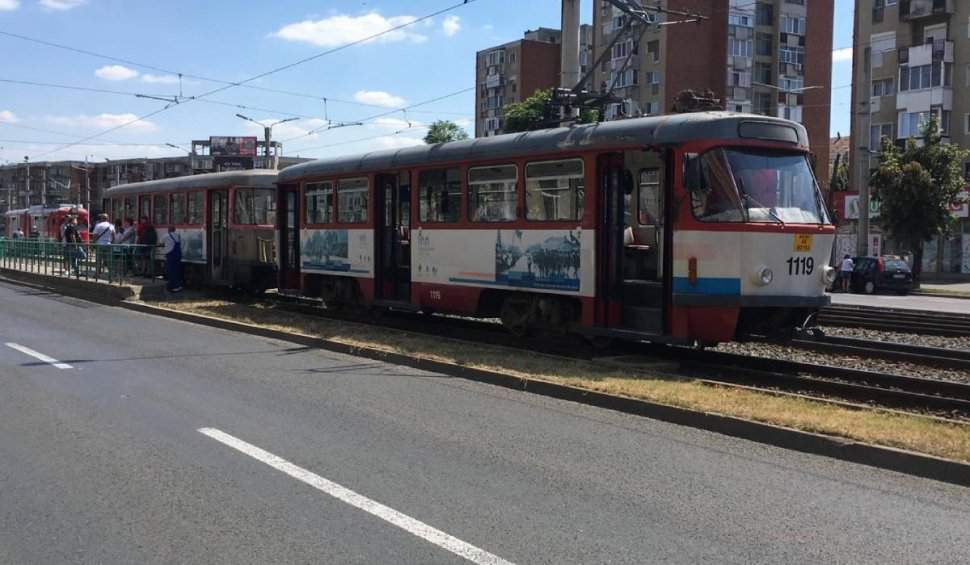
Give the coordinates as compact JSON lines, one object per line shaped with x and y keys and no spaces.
{"x":569,"y":60}
{"x":43,"y":187}
{"x":268,"y":138}
{"x":27,"y":161}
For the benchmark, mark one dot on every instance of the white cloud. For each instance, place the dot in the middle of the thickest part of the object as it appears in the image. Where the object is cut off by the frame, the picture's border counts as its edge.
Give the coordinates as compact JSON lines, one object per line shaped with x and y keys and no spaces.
{"x":116,"y":72}
{"x":379,"y":98}
{"x":103,"y":121}
{"x":8,"y":117}
{"x":9,"y":5}
{"x":62,"y":5}
{"x":159,"y":79}
{"x":842,"y":55}
{"x":396,"y":142}
{"x":340,"y":30}
{"x":451,"y":25}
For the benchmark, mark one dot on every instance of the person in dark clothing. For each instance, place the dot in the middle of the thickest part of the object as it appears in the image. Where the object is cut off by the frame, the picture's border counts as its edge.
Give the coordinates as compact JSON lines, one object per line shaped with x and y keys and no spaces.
{"x":73,"y":251}
{"x":147,"y":237}
{"x":172,"y":249}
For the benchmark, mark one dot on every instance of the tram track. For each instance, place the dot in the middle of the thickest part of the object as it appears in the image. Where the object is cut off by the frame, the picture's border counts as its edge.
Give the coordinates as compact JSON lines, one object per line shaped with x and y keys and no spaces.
{"x":945,"y":399}
{"x":896,"y":320}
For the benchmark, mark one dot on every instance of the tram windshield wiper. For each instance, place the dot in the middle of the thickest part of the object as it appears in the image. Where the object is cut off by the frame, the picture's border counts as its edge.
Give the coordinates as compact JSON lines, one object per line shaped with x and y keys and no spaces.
{"x":748,"y":198}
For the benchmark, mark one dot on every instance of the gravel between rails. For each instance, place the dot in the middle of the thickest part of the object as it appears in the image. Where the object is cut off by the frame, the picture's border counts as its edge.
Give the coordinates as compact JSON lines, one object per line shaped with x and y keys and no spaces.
{"x":900,"y":337}
{"x":793,"y":353}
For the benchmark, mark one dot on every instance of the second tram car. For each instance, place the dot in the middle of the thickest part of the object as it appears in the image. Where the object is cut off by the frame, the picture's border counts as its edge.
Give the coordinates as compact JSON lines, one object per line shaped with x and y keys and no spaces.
{"x":42,"y":222}
{"x":225,"y":220}
{"x":690,"y":228}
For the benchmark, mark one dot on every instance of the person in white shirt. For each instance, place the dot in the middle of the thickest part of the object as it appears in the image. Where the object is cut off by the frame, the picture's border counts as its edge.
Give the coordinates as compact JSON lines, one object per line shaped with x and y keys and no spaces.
{"x":104,"y":232}
{"x":846,"y":272}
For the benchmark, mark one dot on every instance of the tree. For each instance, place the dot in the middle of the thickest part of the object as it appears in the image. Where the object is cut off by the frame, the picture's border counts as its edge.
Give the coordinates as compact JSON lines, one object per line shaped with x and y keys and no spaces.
{"x":443,"y":131}
{"x":916,"y":187}
{"x":528,"y":115}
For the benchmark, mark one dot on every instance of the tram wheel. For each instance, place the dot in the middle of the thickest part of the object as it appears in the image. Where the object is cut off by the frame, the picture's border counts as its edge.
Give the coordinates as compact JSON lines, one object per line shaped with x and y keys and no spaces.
{"x":516,"y":315}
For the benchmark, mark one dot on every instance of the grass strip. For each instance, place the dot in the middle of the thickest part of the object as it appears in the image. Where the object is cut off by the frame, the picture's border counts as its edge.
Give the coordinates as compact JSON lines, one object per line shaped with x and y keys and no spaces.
{"x":909,"y":432}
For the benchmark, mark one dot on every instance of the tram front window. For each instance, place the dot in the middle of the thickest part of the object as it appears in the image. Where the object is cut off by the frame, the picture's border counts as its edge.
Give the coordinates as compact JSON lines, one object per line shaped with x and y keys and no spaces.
{"x":744,"y":185}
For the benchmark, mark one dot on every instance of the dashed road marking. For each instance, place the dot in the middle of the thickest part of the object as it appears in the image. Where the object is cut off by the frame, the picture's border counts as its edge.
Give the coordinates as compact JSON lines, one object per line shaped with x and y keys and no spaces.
{"x":344,"y":494}
{"x":38,"y":355}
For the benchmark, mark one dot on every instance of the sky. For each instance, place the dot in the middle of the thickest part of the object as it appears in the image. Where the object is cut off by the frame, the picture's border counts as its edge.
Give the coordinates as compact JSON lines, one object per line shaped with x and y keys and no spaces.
{"x":128,"y":54}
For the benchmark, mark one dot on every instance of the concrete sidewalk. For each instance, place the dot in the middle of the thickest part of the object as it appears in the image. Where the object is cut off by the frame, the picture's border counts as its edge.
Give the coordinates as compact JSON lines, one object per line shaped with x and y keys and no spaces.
{"x":949,"y":289}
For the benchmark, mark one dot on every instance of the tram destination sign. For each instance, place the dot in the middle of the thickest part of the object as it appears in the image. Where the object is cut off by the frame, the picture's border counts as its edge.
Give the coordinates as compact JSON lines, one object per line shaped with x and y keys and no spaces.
{"x":232,"y":146}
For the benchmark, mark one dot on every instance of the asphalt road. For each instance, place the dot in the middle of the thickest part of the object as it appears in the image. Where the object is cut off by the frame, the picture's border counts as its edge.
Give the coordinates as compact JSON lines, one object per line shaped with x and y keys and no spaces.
{"x":103,"y":462}
{"x":908,"y":302}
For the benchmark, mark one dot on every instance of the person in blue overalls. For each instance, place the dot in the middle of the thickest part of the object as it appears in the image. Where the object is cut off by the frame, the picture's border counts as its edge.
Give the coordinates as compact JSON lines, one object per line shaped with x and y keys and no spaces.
{"x":172,"y":248}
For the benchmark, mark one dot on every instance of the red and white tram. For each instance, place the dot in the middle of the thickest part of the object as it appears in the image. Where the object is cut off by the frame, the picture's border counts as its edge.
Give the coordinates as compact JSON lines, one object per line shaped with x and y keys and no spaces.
{"x":40,"y":222}
{"x":691,"y":228}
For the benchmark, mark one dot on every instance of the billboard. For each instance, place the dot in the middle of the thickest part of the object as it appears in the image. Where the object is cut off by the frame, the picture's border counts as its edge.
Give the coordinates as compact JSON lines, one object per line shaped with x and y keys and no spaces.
{"x":232,"y":146}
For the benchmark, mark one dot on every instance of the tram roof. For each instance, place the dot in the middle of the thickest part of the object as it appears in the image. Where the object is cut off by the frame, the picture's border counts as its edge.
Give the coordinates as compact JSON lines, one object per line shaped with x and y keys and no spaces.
{"x":258,"y":178}
{"x":658,"y":130}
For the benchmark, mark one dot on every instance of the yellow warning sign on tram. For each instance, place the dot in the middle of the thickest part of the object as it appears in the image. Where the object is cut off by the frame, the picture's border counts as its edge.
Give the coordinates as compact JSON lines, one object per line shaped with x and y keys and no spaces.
{"x":803,"y":242}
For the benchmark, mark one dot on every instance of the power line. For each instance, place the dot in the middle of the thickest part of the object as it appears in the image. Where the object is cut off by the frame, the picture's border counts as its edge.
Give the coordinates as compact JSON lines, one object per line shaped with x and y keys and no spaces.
{"x":268,"y":73}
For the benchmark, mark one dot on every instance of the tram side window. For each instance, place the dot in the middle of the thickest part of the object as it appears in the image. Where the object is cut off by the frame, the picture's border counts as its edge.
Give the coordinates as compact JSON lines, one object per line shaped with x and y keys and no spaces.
{"x":352,"y":201}
{"x":649,"y":198}
{"x":440,"y":195}
{"x":716,"y":199}
{"x":130,"y":209}
{"x":492,"y":195}
{"x":254,"y":207}
{"x":145,"y":207}
{"x":118,"y":209}
{"x":178,"y":209}
{"x":319,"y":202}
{"x":160,"y":204}
{"x":554,"y":190}
{"x":195,"y":207}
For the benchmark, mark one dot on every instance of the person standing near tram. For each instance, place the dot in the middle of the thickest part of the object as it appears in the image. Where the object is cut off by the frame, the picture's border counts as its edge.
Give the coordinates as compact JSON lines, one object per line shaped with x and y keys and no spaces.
{"x":172,"y":249}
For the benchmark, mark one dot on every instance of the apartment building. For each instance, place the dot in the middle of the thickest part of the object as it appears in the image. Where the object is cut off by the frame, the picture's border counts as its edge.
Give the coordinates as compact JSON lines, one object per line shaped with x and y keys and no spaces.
{"x":911,"y":61}
{"x":770,"y":57}
{"x":512,"y":72}
{"x":79,"y":182}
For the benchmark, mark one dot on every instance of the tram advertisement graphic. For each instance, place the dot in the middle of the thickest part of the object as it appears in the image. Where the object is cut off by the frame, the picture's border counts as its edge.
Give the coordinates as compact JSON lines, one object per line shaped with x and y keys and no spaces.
{"x":337,"y":251}
{"x":552,"y":263}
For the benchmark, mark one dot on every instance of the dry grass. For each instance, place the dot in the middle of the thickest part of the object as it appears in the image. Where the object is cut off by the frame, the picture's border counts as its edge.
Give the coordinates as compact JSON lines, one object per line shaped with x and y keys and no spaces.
{"x":910,"y":432}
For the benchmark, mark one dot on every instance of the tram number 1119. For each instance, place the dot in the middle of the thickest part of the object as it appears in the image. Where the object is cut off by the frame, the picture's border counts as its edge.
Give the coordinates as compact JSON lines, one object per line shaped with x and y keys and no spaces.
{"x":801,"y":265}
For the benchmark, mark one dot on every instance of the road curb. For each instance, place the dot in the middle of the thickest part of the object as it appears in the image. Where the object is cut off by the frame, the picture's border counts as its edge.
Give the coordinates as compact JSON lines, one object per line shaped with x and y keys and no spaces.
{"x":941,"y":294}
{"x":99,"y":292}
{"x":892,"y":459}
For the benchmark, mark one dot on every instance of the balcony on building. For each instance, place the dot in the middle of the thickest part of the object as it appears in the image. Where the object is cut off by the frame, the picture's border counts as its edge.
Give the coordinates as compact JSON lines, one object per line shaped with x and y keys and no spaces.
{"x":930,"y":72}
{"x":910,"y":10}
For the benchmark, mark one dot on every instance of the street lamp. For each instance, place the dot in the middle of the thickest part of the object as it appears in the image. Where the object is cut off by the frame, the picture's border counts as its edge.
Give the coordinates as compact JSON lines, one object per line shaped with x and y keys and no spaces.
{"x":268,"y":136}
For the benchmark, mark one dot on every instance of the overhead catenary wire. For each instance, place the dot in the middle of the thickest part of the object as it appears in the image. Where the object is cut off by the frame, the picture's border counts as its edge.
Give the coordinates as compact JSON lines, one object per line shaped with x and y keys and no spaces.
{"x":266,"y":73}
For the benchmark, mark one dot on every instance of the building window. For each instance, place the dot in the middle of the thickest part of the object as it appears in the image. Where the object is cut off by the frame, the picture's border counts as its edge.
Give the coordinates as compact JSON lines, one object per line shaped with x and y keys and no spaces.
{"x":765,"y":14}
{"x":789,"y":84}
{"x":740,"y":20}
{"x":492,"y":194}
{"x":352,"y":201}
{"x":884,"y":87}
{"x":877,"y":132}
{"x":739,"y":47}
{"x":440,"y":195}
{"x":554,"y":190}
{"x":764,"y":44}
{"x":653,"y":48}
{"x":318,"y":198}
{"x":792,"y":55}
{"x":792,"y":24}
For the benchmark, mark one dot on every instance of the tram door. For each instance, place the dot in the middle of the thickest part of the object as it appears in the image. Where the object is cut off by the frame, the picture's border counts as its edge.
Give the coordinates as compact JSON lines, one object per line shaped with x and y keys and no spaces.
{"x":631,"y":295}
{"x":289,"y":237}
{"x":218,"y":234}
{"x":394,"y":237}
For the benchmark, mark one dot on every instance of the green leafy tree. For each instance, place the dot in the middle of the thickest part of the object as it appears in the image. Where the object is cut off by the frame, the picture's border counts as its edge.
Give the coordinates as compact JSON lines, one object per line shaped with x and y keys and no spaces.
{"x":443,"y":131}
{"x":528,"y":115}
{"x":916,"y":187}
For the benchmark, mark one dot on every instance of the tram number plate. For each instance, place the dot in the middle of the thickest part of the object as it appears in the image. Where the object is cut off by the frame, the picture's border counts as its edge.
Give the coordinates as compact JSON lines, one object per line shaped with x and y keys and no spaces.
{"x":803,"y":242}
{"x":800,"y":266}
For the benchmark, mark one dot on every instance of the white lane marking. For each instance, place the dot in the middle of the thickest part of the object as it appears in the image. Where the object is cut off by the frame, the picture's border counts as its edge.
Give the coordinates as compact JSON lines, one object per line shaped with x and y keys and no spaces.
{"x":38,"y":355}
{"x":344,"y":494}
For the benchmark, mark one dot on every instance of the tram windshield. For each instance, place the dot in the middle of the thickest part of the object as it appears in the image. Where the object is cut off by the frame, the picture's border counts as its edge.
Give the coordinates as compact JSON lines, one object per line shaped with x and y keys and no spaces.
{"x":756,"y":185}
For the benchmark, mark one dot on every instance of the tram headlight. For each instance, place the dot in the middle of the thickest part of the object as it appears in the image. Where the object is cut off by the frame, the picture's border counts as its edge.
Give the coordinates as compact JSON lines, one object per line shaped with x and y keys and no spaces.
{"x":763,"y":275}
{"x":828,"y":275}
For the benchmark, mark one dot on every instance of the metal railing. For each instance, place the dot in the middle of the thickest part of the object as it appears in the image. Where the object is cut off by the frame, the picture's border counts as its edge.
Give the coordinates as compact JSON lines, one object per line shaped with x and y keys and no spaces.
{"x":114,"y":263}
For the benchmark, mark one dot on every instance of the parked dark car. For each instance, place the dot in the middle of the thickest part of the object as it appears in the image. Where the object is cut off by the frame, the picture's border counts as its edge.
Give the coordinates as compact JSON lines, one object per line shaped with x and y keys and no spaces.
{"x":888,"y":272}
